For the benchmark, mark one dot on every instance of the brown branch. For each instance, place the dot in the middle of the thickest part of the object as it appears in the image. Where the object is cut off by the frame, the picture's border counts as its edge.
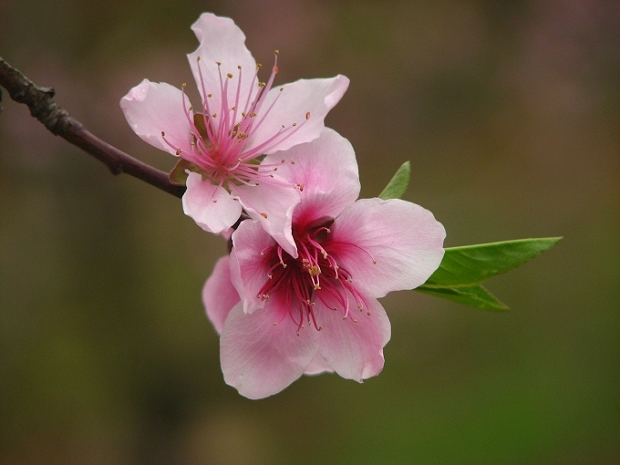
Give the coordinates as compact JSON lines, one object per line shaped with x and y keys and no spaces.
{"x":47,"y":111}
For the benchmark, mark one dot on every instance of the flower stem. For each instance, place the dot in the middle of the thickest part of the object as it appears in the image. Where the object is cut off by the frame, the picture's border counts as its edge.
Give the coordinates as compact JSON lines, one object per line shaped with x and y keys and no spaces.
{"x":57,"y":120}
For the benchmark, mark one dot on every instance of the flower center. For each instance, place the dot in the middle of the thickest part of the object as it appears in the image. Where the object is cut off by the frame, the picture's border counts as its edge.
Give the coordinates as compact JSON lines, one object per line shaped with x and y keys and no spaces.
{"x":221,"y":131}
{"x":297,"y":283}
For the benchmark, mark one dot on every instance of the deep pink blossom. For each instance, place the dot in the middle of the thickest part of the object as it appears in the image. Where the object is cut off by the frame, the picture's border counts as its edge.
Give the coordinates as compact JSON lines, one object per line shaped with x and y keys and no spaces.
{"x":282,"y":316}
{"x":239,"y":120}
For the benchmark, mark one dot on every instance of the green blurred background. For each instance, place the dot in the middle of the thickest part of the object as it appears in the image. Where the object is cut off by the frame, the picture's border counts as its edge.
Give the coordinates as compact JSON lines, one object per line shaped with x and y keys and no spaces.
{"x":510,"y":115}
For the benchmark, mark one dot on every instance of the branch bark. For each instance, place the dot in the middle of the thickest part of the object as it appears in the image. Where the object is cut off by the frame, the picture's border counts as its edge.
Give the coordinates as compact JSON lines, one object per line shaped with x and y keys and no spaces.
{"x":57,"y":120}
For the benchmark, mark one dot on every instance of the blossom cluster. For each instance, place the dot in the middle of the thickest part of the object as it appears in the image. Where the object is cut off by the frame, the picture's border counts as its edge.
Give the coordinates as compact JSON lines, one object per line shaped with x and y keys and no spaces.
{"x":298,"y":293}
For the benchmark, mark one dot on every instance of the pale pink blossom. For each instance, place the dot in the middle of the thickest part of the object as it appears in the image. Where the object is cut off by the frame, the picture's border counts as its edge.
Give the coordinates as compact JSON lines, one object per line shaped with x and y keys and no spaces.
{"x":239,"y":120}
{"x":282,"y":316}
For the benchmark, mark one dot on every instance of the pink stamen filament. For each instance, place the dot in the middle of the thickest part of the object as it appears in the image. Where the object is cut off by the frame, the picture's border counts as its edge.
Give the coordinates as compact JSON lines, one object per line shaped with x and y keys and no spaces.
{"x":219,"y":147}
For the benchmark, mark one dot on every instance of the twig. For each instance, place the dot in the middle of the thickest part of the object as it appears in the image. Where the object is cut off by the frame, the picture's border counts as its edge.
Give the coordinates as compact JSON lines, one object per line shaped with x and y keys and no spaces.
{"x":47,"y":111}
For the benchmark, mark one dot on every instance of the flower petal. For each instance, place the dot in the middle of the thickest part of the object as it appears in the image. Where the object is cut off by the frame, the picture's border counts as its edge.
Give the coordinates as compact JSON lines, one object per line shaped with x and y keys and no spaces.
{"x":318,"y":366}
{"x":305,"y":102}
{"x":221,"y":41}
{"x":211,"y":206}
{"x":272,"y":206}
{"x":219,"y":295}
{"x":262,"y":353}
{"x":248,"y":267}
{"x":152,"y":108}
{"x":353,"y":347}
{"x":404,"y":239}
{"x":326,"y":170}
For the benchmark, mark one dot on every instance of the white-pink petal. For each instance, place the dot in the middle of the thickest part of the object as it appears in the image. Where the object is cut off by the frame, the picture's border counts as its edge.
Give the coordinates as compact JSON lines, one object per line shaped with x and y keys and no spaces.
{"x":262,"y":353}
{"x":211,"y":206}
{"x":248,"y":267}
{"x":219,"y":295}
{"x":272,"y":206}
{"x":305,"y":102}
{"x":326,"y":170}
{"x":404,"y":239}
{"x":152,"y":108}
{"x":353,"y":347}
{"x":221,"y":41}
{"x":318,"y":366}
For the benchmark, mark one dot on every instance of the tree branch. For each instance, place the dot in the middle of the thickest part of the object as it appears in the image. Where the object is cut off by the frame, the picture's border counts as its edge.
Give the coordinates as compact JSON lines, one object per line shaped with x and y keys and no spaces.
{"x":57,"y":120}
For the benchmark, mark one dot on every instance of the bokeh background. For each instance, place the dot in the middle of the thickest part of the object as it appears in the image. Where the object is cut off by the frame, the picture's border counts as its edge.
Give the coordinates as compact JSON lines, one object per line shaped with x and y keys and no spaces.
{"x":510,"y":114}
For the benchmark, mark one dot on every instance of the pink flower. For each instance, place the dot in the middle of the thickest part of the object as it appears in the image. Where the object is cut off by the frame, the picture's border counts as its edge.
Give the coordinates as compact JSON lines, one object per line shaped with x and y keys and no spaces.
{"x":239,"y":120}
{"x":282,"y":316}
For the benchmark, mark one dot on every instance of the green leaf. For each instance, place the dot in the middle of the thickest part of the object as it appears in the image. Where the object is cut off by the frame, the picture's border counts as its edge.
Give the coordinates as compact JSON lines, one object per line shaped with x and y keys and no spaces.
{"x":462,"y":270}
{"x":475,"y":296}
{"x":398,"y":184}
{"x":472,"y":264}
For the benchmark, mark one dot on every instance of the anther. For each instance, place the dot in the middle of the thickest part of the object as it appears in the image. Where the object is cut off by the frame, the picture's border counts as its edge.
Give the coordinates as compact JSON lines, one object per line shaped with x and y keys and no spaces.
{"x":308,"y":115}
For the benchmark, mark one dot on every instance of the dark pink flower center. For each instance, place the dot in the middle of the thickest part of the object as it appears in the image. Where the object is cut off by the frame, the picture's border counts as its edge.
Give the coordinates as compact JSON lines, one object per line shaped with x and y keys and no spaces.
{"x":297,"y":283}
